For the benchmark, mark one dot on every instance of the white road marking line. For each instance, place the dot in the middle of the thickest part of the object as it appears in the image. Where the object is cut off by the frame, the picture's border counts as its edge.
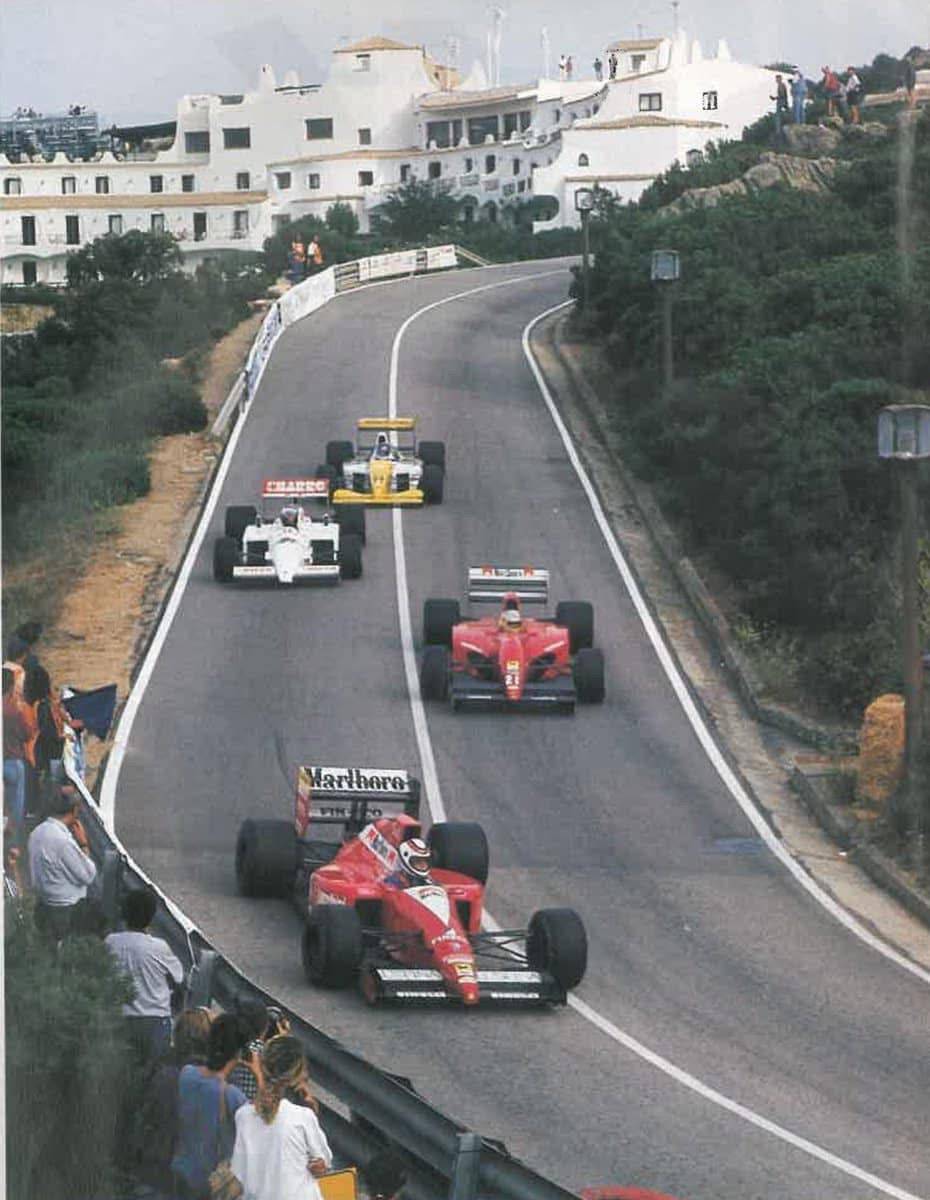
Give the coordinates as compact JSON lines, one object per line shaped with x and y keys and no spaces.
{"x":437,"y":808}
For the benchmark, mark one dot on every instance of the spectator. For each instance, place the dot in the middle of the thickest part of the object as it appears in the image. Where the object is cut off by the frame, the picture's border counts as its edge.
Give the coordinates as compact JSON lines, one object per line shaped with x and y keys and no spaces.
{"x":207,"y":1105}
{"x":280,"y":1148}
{"x":74,"y":737}
{"x":17,"y":652}
{"x":853,"y":91}
{"x":13,"y":887}
{"x":909,"y":79}
{"x":831,"y":90}
{"x":781,"y":107}
{"x":598,"y":70}
{"x":154,"y":1125}
{"x":297,"y":261}
{"x":247,"y":1073}
{"x":563,"y":67}
{"x":314,"y":255}
{"x":798,"y":96}
{"x":384,"y":1176}
{"x":612,"y":64}
{"x":61,"y":870}
{"x":569,"y":67}
{"x":155,"y":972}
{"x":51,"y":723}
{"x":18,"y":732}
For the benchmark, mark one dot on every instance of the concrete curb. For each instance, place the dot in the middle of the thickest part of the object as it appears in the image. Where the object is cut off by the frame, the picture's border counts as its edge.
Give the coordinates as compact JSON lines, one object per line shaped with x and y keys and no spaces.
{"x":841,"y":741}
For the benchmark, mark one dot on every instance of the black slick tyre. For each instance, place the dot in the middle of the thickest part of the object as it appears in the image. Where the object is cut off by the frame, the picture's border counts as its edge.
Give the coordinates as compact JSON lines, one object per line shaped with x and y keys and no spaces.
{"x":434,"y":673}
{"x":439,"y":618}
{"x":331,"y":945}
{"x":350,"y":556}
{"x":578,"y":618}
{"x":337,"y":453}
{"x":432,"y":453}
{"x":225,"y":558}
{"x":266,"y":858}
{"x":432,"y":481}
{"x":588,"y":673}
{"x":352,"y":521}
{"x":460,"y":846}
{"x":238,"y":517}
{"x":556,"y":944}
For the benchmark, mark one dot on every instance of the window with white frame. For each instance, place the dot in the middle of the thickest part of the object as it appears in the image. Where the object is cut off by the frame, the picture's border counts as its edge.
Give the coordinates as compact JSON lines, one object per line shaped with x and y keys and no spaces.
{"x":72,"y":230}
{"x":102,"y":185}
{"x":241,"y":223}
{"x":28,"y":229}
{"x":243,"y":181}
{"x":313,"y":182}
{"x":583,"y":160}
{"x":434,"y":170}
{"x":156,"y":183}
{"x":239,"y":138}
{"x":319,"y":128}
{"x":709,"y":101}
{"x":29,"y":273}
{"x":68,"y":185}
{"x":115,"y":224}
{"x":187,"y":183}
{"x":362,"y":62}
{"x":12,"y":186}
{"x":282,"y":180}
{"x":366,"y":178}
{"x":637,"y":62}
{"x":197,"y":141}
{"x":364,"y":137}
{"x":157,"y":223}
{"x":650,"y":102}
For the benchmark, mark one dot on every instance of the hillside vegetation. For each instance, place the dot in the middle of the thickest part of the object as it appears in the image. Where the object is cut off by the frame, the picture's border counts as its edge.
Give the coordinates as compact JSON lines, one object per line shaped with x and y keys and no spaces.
{"x":796,"y":320}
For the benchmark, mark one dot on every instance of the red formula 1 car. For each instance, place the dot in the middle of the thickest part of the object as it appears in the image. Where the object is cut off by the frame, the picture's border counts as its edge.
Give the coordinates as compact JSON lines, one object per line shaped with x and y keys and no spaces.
{"x":420,"y":943}
{"x":510,"y":660}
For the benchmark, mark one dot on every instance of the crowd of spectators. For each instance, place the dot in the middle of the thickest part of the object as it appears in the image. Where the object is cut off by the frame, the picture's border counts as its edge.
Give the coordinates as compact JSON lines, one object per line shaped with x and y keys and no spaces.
{"x":304,"y":260}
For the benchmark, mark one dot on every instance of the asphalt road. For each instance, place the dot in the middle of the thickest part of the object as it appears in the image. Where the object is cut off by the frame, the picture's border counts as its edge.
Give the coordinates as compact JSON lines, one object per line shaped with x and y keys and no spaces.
{"x":702,"y":947}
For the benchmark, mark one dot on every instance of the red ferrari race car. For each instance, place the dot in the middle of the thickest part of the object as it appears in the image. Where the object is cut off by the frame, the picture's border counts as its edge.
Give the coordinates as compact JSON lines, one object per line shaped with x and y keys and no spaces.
{"x":399,"y":914}
{"x":508,"y":659}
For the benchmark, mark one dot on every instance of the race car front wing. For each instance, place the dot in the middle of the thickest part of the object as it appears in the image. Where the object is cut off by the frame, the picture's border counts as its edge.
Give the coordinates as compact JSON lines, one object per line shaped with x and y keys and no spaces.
{"x":467,"y":691}
{"x":267,"y":571}
{"x":510,"y":988}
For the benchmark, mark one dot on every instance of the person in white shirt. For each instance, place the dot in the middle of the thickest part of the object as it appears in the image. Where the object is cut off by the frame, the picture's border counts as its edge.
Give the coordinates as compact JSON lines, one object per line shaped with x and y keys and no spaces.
{"x":61,"y":870}
{"x":280,"y":1148}
{"x":155,"y":972}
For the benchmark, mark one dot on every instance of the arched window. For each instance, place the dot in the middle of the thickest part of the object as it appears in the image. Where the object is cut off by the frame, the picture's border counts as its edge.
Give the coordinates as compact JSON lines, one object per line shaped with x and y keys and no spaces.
{"x":583,"y":160}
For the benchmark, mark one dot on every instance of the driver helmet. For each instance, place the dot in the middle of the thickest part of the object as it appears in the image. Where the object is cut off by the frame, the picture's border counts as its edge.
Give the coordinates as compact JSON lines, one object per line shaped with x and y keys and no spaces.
{"x":415,"y":860}
{"x":382,"y":446}
{"x":511,"y":617}
{"x":289,"y":515}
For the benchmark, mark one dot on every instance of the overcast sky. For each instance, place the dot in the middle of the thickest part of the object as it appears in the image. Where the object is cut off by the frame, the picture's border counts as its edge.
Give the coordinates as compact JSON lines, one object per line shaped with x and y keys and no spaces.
{"x":131,"y":59}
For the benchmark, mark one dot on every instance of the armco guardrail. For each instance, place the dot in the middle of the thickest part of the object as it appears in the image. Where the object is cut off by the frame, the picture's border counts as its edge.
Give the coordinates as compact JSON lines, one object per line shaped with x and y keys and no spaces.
{"x":384,"y":1110}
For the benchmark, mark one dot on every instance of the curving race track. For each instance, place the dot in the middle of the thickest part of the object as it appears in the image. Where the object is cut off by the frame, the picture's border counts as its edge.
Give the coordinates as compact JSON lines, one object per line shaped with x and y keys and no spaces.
{"x":704,"y":949}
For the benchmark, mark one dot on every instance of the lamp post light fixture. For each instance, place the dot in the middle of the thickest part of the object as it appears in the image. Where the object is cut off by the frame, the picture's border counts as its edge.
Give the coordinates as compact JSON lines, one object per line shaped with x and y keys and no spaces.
{"x":904,"y":435}
{"x":584,"y":202}
{"x":666,"y":270}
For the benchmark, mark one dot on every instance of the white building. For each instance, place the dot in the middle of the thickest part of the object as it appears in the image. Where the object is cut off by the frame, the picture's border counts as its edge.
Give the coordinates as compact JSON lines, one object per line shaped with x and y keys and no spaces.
{"x":241,"y":164}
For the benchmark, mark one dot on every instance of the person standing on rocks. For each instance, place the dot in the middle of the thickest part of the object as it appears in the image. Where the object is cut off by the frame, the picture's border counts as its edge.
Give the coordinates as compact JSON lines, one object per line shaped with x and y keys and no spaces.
{"x":853,"y":89}
{"x":798,"y":96}
{"x":781,"y":108}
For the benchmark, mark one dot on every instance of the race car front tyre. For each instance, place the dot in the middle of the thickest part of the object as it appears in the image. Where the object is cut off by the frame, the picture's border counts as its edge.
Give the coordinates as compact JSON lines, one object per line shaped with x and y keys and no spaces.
{"x":350,"y":556}
{"x":578,"y":618}
{"x":434,"y":673}
{"x":431,"y":481}
{"x":460,"y":846}
{"x":337,"y":453}
{"x":556,"y":943}
{"x":439,"y":617}
{"x":225,"y":557}
{"x":352,"y":521}
{"x":238,"y":517}
{"x":432,"y":453}
{"x":331,"y":945}
{"x":588,"y":672}
{"x":266,"y":858}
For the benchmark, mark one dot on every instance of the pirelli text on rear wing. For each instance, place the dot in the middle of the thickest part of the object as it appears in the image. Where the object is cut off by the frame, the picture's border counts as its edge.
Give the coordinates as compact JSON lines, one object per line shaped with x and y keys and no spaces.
{"x":352,"y":796}
{"x":530,"y":584}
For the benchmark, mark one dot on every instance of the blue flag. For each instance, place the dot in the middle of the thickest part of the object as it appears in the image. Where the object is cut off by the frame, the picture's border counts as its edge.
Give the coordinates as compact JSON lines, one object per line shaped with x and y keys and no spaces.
{"x":94,"y":708}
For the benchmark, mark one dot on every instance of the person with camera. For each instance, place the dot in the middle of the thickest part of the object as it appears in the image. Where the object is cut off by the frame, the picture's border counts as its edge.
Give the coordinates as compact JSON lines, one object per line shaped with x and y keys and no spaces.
{"x":280,"y":1149}
{"x":61,"y":870}
{"x":260,"y":1023}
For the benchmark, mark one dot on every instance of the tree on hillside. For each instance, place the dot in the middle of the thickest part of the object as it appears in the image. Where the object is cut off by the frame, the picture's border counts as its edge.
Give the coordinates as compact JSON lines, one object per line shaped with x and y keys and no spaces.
{"x":135,"y":255}
{"x":415,"y":210}
{"x":341,"y":219}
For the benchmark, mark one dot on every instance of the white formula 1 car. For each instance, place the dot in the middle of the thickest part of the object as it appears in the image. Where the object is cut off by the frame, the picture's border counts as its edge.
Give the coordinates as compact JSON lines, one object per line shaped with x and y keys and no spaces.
{"x":294,"y":543}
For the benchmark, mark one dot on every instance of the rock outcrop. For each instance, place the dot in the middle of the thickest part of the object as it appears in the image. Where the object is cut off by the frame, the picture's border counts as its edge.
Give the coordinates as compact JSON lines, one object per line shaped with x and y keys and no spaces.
{"x":773,"y":170}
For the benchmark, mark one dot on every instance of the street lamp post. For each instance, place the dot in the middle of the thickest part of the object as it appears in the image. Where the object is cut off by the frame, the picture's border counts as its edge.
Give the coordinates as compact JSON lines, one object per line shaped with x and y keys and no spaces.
{"x":904,"y":435}
{"x":584,"y":202}
{"x":666,"y":270}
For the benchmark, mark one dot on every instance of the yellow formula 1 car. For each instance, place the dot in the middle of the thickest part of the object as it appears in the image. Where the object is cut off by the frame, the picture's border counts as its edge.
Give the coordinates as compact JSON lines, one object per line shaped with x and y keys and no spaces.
{"x":386,"y":465}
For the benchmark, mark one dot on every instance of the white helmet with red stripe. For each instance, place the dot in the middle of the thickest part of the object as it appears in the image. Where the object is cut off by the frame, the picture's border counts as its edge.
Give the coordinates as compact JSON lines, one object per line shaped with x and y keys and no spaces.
{"x":415,"y":859}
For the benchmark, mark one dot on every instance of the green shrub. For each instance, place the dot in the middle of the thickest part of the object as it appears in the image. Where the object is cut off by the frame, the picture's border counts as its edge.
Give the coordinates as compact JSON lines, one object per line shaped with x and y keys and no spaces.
{"x":178,"y":407}
{"x":96,"y":478}
{"x":65,"y":1064}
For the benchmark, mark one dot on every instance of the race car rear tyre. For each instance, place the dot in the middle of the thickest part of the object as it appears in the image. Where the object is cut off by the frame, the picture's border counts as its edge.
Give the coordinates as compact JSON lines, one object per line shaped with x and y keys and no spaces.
{"x":225,"y":557}
{"x":439,"y":616}
{"x":433,"y":453}
{"x":556,"y":943}
{"x":578,"y":618}
{"x":331,"y":945}
{"x":350,"y":556}
{"x":266,"y":858}
{"x":588,"y":672}
{"x":238,"y":517}
{"x":352,"y":521}
{"x":337,"y":453}
{"x":434,"y":673}
{"x":431,"y":481}
{"x":460,"y":846}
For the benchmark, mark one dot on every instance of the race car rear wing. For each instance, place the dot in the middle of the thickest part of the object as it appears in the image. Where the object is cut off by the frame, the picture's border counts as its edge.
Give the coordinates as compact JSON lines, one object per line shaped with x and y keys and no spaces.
{"x":352,"y":796}
{"x":388,"y":424}
{"x":295,"y":489}
{"x":530,"y":584}
{"x":370,"y":427}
